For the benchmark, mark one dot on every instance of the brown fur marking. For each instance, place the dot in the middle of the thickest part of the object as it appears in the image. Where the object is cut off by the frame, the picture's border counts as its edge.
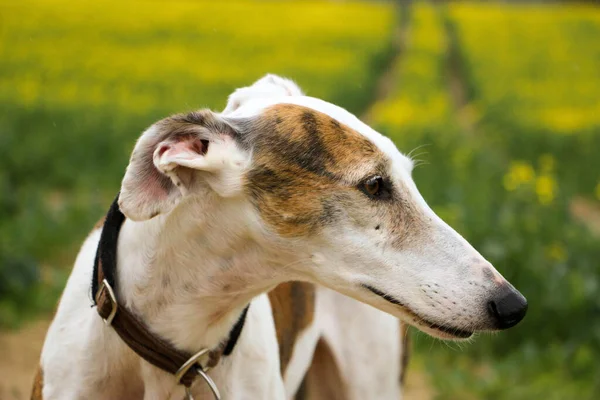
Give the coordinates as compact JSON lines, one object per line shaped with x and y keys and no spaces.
{"x":323,"y":381}
{"x":306,"y":173}
{"x":38,"y":385}
{"x":293,"y":305}
{"x":305,"y":165}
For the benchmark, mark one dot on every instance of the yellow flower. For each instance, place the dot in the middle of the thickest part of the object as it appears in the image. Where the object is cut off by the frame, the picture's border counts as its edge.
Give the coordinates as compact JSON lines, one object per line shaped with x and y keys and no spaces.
{"x":545,"y":188}
{"x":519,"y":173}
{"x":556,"y":251}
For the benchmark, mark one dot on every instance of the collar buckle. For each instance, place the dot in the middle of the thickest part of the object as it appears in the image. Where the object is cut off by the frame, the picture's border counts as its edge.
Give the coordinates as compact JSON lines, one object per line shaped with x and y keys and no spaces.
{"x":194,"y":362}
{"x":113,"y":301}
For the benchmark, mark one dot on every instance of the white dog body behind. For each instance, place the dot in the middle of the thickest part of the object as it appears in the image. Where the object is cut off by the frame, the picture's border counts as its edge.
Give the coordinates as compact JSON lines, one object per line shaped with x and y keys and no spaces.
{"x":303,"y":191}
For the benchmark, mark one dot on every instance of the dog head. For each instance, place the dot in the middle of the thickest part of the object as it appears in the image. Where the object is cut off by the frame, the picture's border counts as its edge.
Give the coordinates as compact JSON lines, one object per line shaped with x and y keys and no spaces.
{"x":335,"y":193}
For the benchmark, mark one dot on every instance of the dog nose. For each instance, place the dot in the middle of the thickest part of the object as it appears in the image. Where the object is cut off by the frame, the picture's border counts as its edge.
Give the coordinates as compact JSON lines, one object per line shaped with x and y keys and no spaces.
{"x":508,"y":307}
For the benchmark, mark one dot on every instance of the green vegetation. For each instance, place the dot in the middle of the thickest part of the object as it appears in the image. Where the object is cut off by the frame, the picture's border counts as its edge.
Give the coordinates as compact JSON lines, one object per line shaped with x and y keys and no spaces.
{"x":508,"y":155}
{"x":504,"y":169}
{"x":80,"y":81}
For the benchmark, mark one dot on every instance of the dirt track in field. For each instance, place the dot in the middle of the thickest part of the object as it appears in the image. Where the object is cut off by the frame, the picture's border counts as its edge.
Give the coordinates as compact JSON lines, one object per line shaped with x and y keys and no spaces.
{"x":19,"y":357}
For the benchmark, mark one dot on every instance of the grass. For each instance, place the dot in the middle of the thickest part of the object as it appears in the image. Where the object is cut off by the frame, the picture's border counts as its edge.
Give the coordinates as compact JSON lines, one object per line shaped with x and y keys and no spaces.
{"x":506,"y":182}
{"x":80,"y":81}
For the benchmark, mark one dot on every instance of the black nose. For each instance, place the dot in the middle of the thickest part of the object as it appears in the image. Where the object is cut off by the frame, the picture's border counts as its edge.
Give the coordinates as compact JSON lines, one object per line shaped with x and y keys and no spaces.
{"x":508,"y":307}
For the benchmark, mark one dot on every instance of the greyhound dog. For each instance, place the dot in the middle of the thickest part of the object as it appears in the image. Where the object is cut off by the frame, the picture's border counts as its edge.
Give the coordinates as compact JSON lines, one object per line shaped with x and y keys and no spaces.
{"x":218,"y":209}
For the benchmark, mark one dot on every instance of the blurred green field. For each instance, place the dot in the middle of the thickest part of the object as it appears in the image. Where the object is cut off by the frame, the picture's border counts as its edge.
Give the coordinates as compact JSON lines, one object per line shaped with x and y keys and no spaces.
{"x":505,"y":169}
{"x":80,"y":81}
{"x":504,"y":101}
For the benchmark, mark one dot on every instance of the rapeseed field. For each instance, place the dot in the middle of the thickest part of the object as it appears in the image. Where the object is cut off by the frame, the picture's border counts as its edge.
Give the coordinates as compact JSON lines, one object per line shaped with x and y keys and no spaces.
{"x":546,"y":56}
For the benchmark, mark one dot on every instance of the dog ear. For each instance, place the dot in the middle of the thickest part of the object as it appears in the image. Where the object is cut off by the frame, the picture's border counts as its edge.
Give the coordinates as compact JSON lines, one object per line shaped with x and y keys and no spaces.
{"x":268,"y":86}
{"x":169,"y":158}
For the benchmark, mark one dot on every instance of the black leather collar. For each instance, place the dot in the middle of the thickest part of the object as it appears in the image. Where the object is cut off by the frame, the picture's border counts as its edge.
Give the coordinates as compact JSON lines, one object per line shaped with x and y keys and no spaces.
{"x":105,"y":266}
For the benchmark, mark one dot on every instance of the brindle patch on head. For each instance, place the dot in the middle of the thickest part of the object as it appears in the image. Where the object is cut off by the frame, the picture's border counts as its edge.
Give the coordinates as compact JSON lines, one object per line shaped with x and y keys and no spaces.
{"x":306,"y":171}
{"x":38,"y":385}
{"x":306,"y":166}
{"x":293,"y":305}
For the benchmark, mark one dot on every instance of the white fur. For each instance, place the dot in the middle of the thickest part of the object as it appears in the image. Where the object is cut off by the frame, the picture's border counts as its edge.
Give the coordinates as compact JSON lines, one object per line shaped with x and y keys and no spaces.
{"x":301,"y":358}
{"x":269,"y":86}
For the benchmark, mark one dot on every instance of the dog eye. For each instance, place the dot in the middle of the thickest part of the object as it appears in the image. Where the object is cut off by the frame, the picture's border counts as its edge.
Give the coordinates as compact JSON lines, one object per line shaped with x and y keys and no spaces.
{"x":374,"y":187}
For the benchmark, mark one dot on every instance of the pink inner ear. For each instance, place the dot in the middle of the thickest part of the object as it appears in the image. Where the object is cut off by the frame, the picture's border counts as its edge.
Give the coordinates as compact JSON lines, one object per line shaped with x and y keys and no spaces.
{"x":162,"y":149}
{"x":185,"y":145}
{"x":200,"y":147}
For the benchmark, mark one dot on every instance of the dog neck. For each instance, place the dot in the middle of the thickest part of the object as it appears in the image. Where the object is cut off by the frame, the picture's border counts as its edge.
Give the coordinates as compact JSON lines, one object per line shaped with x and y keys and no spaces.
{"x":189,"y":277}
